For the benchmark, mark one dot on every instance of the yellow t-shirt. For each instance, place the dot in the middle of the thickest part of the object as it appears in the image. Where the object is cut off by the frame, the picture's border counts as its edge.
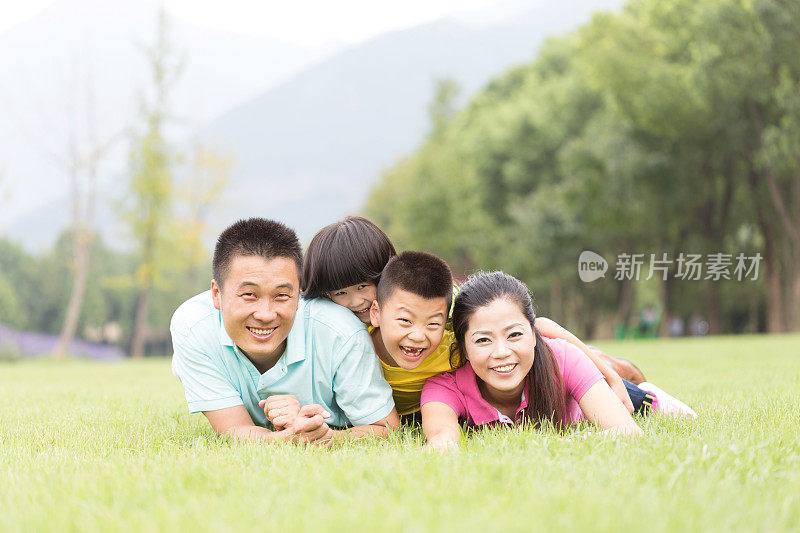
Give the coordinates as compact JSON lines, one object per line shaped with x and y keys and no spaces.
{"x":407,"y":384}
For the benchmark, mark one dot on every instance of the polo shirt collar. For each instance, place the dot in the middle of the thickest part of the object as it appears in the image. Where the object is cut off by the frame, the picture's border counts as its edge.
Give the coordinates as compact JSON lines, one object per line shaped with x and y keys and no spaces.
{"x":478,"y":408}
{"x":224,"y":338}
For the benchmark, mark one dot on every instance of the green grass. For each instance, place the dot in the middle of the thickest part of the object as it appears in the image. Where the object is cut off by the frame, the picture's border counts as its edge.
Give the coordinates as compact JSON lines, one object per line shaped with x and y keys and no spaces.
{"x":88,"y":446}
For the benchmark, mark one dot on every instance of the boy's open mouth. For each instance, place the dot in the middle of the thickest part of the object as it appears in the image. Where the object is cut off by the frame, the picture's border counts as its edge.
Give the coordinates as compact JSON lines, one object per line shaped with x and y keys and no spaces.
{"x":505,"y":369}
{"x":411,"y":353}
{"x":261,"y":333}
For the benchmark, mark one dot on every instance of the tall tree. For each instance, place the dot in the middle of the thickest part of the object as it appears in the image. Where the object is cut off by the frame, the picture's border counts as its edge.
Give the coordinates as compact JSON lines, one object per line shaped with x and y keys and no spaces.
{"x":151,"y":191}
{"x":81,"y":166}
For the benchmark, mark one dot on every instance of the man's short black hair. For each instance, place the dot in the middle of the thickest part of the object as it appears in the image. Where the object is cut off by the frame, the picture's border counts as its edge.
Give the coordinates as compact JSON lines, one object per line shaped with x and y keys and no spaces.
{"x":351,"y":251}
{"x":419,"y":273}
{"x":255,"y":236}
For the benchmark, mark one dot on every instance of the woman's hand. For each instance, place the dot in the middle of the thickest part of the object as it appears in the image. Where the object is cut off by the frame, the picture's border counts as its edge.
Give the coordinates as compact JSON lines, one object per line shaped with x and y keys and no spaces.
{"x":442,"y":443}
{"x":440,"y":424}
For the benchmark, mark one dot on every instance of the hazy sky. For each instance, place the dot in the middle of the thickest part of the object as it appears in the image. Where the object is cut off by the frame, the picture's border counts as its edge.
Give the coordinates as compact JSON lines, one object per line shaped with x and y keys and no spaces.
{"x":305,"y":22}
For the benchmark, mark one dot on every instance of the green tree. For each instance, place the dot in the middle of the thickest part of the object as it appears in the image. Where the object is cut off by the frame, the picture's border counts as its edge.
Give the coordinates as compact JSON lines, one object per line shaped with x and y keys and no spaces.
{"x":151,"y":194}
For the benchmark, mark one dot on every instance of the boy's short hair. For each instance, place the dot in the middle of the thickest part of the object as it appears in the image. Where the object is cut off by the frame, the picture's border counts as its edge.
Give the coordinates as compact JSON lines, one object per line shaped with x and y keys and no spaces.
{"x":255,"y":236}
{"x":345,"y":253}
{"x":419,"y":273}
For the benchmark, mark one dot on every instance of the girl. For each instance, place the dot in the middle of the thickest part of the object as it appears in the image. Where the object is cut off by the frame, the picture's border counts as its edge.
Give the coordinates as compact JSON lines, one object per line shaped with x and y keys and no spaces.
{"x":344,"y":263}
{"x":513,"y":375}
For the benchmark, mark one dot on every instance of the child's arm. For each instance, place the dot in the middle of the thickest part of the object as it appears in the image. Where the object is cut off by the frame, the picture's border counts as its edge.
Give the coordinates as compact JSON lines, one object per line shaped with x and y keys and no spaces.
{"x":440,"y":424}
{"x":601,"y":406}
{"x":551,"y":329}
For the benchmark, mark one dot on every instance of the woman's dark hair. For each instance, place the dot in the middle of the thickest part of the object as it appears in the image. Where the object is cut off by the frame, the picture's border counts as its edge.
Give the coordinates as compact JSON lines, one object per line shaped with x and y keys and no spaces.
{"x":546,"y":386}
{"x":345,"y":253}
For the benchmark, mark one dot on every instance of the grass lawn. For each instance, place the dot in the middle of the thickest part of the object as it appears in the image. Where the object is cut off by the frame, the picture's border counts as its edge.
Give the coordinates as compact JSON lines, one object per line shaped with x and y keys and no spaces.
{"x":88,"y":446}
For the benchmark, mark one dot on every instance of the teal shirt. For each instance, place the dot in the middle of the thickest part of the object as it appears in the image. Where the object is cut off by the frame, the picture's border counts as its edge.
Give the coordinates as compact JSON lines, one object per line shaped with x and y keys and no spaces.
{"x":329,"y":360}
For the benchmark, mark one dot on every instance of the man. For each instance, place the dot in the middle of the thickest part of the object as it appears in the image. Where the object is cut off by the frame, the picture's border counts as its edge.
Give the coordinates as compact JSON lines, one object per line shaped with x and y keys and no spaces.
{"x":251,"y":346}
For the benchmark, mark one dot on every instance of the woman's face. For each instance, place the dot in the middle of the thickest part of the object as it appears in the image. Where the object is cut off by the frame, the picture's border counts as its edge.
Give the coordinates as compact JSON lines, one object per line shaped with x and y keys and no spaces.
{"x":499,"y":345}
{"x":358,"y":298}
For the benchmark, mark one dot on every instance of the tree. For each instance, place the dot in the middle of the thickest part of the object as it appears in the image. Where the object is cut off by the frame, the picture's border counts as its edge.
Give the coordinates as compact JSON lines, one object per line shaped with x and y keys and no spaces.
{"x":81,"y":166}
{"x":151,"y":182}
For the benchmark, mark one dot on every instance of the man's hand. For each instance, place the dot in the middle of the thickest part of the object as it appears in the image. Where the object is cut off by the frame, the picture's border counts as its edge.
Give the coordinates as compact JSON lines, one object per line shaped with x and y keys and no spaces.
{"x":309,"y":425}
{"x":281,"y":410}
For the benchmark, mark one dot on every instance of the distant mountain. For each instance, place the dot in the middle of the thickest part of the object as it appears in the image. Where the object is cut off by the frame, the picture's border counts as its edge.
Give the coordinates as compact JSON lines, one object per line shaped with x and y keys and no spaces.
{"x":308,"y":149}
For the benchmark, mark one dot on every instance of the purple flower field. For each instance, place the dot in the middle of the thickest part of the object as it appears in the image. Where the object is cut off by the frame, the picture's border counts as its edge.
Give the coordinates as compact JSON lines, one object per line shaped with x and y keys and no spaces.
{"x":30,"y":345}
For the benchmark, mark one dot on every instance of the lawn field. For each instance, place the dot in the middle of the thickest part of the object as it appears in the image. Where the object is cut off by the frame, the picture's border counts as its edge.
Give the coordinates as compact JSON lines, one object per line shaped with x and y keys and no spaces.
{"x":104,"y":447}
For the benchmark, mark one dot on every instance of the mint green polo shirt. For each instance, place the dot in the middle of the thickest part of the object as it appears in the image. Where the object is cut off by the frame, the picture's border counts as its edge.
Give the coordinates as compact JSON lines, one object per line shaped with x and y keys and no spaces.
{"x":329,"y":360}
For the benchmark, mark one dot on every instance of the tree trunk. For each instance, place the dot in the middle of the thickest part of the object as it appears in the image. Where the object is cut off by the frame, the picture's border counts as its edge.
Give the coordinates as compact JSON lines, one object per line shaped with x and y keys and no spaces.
{"x":667,"y":287}
{"x":140,"y":328}
{"x":76,"y":296}
{"x":713,"y":309}
{"x":792,"y":300}
{"x":775,"y":317}
{"x":625,"y":297}
{"x":557,"y":301}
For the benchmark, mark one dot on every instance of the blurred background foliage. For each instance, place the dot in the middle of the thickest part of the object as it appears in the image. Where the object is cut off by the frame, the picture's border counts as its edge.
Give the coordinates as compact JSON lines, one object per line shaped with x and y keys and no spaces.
{"x":672,"y":126}
{"x":669,"y":127}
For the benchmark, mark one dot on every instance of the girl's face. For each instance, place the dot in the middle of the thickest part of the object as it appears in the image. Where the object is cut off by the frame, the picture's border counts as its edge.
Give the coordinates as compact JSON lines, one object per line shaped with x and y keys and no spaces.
{"x":499,"y":345}
{"x":358,"y":298}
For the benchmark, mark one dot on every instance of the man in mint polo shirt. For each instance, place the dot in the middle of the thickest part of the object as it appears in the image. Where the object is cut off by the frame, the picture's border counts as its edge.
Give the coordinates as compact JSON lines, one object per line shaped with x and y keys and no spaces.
{"x":251,"y":345}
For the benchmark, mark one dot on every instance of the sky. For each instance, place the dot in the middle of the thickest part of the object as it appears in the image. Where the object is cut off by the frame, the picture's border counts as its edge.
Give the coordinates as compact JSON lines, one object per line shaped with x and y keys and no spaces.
{"x":309,"y":23}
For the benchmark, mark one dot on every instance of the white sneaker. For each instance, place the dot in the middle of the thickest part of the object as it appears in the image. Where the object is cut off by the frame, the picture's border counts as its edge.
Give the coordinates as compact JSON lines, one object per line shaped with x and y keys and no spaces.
{"x":666,"y":403}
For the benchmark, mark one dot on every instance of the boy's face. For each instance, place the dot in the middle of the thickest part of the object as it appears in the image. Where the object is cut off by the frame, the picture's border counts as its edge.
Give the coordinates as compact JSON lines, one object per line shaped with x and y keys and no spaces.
{"x":358,"y":298}
{"x":411,"y":326}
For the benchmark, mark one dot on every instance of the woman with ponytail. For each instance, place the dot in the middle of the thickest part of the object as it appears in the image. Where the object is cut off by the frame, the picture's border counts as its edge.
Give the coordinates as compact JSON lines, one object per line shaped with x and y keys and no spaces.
{"x":506,"y":372}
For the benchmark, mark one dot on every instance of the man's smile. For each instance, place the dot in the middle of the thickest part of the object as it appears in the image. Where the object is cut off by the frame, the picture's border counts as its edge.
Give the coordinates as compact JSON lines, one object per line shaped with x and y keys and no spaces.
{"x":261,"y":333}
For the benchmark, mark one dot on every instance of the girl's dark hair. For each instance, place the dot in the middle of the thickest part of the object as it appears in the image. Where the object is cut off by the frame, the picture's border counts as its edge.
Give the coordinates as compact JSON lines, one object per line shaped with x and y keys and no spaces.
{"x":546,"y":386}
{"x":345,"y":253}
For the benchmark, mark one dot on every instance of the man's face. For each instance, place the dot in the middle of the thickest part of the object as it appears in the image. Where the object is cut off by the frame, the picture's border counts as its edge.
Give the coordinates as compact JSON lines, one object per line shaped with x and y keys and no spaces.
{"x":258,"y":300}
{"x":411,"y":326}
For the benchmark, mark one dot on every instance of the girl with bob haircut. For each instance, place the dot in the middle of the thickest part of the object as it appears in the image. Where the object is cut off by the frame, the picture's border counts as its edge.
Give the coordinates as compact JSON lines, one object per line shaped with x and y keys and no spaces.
{"x":506,"y":372}
{"x":344,"y":263}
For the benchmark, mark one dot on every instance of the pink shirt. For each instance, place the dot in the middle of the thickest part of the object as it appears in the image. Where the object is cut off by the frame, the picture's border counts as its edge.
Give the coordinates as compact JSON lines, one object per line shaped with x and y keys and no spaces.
{"x":459,"y":389}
